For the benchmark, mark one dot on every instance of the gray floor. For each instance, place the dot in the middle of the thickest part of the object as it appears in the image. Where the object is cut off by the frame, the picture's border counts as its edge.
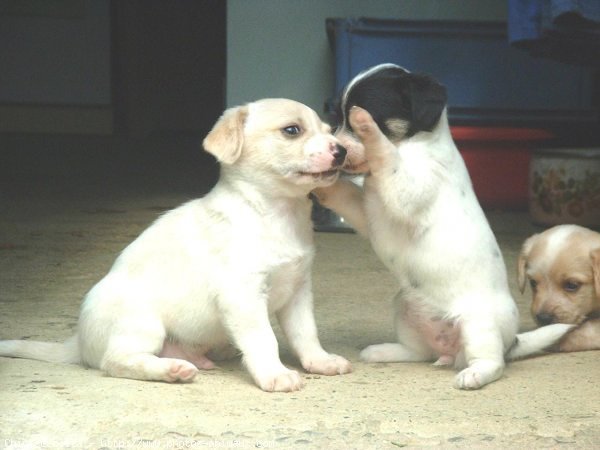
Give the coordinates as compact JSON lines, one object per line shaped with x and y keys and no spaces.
{"x":55,"y":243}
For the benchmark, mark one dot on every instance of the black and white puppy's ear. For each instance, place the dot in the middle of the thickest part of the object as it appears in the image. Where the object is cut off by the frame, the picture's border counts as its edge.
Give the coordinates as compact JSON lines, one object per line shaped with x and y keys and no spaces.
{"x":428,"y":99}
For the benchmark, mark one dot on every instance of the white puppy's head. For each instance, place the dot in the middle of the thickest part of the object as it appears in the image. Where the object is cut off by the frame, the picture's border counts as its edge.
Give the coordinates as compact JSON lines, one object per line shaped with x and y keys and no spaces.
{"x":280,"y":143}
{"x":401,"y":103}
{"x":562,"y":266}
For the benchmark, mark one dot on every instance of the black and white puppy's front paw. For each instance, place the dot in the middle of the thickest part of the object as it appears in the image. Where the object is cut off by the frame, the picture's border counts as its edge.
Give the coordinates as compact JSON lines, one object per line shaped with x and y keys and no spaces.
{"x":363,"y":125}
{"x":377,"y":147}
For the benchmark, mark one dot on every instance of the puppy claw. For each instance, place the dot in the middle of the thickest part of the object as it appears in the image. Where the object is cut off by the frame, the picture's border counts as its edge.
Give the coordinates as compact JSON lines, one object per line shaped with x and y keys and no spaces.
{"x":288,"y":381}
{"x":329,"y":365}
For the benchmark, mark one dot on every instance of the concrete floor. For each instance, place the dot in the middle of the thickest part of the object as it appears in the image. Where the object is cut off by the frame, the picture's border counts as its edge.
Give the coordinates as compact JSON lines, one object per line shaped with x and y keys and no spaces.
{"x":55,"y":243}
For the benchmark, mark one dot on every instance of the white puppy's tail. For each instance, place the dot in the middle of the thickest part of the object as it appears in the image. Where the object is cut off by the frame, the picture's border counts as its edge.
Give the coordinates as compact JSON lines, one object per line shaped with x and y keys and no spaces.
{"x":537,"y":340}
{"x":66,"y":352}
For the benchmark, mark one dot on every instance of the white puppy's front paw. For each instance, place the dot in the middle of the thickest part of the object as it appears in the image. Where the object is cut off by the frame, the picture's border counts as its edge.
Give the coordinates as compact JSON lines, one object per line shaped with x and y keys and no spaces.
{"x":329,"y":364}
{"x":287,"y":381}
{"x":323,"y":194}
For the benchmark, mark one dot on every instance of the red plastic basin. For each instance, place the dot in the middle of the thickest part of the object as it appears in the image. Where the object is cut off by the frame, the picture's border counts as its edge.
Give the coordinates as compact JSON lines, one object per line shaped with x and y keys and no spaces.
{"x":498,"y":160}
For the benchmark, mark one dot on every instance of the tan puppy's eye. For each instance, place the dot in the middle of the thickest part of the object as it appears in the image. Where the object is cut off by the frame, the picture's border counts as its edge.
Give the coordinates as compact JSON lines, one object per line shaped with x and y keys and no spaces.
{"x":292,"y":130}
{"x":533,"y":284}
{"x":571,"y":286}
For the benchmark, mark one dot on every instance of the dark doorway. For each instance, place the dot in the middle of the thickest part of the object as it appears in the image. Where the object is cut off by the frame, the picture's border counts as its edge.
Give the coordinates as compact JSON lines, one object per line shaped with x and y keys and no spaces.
{"x":167,"y":81}
{"x":168,"y":65}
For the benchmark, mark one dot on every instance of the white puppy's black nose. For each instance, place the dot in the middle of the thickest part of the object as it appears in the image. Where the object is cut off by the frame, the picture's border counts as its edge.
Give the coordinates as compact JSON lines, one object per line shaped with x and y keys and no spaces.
{"x":339,"y":155}
{"x":544,"y":318}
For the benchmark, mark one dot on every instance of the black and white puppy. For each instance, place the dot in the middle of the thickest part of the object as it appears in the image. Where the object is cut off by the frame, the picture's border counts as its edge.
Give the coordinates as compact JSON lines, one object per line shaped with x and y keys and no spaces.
{"x":419,"y":210}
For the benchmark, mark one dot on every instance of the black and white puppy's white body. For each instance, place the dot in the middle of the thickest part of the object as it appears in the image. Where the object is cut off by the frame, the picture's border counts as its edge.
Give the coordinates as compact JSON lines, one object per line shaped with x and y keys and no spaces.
{"x":419,"y":210}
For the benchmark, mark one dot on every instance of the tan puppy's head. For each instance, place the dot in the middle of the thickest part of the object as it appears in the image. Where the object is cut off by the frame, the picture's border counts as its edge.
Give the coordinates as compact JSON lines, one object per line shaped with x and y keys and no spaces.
{"x":277,"y":143}
{"x":562,"y":266}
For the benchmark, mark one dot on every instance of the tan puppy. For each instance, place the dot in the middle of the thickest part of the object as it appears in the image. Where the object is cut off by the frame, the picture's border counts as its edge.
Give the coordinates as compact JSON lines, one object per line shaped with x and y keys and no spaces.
{"x":209,"y":273}
{"x":562,"y":266}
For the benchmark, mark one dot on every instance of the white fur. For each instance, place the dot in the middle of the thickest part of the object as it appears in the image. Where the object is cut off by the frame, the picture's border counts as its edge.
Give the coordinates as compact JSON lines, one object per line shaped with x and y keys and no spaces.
{"x":212,"y":271}
{"x":420,"y":212}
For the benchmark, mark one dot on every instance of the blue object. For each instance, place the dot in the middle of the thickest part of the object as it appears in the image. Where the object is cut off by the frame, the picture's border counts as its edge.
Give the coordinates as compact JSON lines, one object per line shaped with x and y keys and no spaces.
{"x":487,"y":79}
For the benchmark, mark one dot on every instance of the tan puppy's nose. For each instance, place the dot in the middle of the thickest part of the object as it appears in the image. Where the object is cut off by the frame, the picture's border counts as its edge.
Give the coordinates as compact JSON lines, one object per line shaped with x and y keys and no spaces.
{"x":544,"y":318}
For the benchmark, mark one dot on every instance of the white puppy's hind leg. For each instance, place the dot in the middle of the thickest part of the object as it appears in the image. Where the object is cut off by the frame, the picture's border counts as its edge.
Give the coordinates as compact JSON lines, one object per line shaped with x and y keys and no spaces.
{"x":484,"y":353}
{"x":411,"y":346}
{"x":134,"y":356}
{"x":392,"y":352}
{"x":145,"y":366}
{"x":196,"y":356}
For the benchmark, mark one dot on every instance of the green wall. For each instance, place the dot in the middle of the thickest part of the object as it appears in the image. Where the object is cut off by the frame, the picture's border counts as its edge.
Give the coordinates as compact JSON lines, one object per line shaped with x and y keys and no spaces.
{"x":279,"y":48}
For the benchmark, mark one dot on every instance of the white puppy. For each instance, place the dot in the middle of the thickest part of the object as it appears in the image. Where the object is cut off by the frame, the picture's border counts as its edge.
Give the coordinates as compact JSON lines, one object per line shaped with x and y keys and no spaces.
{"x":212,"y":270}
{"x":420,"y":212}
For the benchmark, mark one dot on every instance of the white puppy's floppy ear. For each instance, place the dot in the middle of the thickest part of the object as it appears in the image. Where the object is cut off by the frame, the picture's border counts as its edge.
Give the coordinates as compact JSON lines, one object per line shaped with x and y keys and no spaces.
{"x":226,"y":140}
{"x":522,"y":264}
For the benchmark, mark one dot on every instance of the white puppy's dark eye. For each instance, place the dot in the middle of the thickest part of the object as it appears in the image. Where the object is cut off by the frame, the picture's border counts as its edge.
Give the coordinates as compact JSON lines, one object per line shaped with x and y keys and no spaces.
{"x":291,"y":130}
{"x":571,"y":286}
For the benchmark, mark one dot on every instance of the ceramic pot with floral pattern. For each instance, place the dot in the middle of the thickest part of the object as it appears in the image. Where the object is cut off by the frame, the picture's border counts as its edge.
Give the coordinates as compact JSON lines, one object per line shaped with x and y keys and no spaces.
{"x":565,"y":186}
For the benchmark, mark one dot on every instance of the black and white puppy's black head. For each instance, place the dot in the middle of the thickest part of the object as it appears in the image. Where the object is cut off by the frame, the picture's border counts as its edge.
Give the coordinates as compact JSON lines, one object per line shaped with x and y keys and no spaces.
{"x":401,"y":103}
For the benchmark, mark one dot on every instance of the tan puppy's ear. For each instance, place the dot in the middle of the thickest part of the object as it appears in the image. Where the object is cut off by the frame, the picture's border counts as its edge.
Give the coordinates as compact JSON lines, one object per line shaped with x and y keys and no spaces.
{"x":226,"y":139}
{"x":522,"y":263}
{"x":595,"y":257}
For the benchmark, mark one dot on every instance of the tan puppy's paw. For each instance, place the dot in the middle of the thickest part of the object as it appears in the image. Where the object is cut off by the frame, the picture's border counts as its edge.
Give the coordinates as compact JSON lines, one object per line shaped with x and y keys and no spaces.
{"x":584,"y":337}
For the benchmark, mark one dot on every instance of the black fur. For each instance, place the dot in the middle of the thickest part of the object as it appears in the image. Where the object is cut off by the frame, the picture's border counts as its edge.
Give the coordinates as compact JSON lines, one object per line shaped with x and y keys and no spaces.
{"x":393,"y":93}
